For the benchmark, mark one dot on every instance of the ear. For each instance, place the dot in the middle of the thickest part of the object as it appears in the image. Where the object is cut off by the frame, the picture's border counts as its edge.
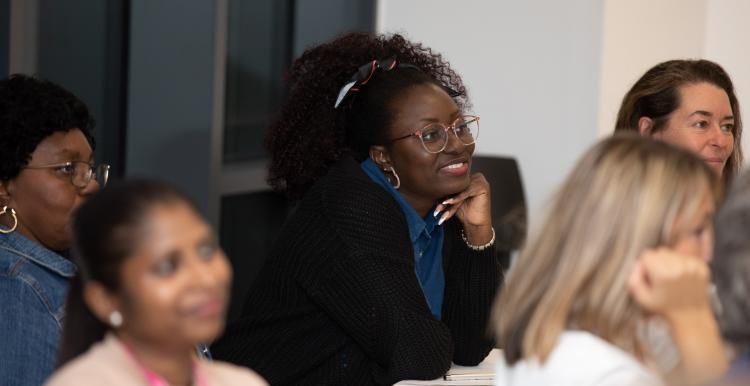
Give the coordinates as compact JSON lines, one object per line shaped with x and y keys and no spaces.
{"x":4,"y":193}
{"x":645,"y":126}
{"x":380,"y":155}
{"x":100,"y":301}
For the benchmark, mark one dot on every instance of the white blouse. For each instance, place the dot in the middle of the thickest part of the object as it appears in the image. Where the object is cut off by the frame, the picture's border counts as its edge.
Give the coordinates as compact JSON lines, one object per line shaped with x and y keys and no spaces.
{"x":579,"y":359}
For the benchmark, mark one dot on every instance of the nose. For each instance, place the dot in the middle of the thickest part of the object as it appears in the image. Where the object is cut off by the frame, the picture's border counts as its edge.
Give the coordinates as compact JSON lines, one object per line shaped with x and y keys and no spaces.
{"x":210,"y":274}
{"x":90,"y":188}
{"x":201,"y":273}
{"x":719,"y":138}
{"x":707,"y":245}
{"x":453,"y":144}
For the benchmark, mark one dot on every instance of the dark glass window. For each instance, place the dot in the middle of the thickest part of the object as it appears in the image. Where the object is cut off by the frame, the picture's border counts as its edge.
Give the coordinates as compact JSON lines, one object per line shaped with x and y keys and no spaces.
{"x":264,"y":37}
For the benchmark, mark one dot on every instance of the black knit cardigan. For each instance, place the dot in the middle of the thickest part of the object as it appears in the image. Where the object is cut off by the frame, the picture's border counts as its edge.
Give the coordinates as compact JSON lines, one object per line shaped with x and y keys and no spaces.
{"x":338,"y":301}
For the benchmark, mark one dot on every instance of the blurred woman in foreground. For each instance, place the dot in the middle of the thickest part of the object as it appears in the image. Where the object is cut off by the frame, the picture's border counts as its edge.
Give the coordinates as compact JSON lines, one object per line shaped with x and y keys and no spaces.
{"x":154,"y":285}
{"x":626,"y":240}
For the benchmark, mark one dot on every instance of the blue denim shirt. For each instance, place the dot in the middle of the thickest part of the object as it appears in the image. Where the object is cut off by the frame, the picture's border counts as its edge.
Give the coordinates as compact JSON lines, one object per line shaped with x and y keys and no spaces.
{"x":33,"y":287}
{"x":426,"y":240}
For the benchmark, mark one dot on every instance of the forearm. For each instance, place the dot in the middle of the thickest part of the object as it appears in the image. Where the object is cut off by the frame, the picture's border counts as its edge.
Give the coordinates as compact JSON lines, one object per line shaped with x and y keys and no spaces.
{"x":696,"y":335}
{"x":377,"y":301}
{"x":471,"y":286}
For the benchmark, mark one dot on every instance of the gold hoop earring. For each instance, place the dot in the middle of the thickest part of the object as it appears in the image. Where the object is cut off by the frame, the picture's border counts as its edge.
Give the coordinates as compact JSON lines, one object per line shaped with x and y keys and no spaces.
{"x":13,"y":216}
{"x":398,"y":180}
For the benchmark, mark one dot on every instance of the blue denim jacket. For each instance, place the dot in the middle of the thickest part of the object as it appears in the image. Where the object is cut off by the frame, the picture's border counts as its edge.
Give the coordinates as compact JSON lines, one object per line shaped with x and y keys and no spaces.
{"x":33,"y":286}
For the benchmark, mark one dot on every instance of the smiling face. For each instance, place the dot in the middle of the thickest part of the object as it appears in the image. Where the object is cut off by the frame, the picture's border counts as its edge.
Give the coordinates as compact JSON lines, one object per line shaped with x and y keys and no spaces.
{"x":703,"y":123}
{"x":425,"y":177}
{"x":176,"y":283}
{"x":44,"y":199}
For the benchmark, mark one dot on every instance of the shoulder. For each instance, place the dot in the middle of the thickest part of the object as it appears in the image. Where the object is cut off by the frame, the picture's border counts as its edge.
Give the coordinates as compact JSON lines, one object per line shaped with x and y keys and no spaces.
{"x":606,"y":364}
{"x":9,"y":259}
{"x":23,"y":289}
{"x":105,"y":363}
{"x":356,"y":207}
{"x":24,"y":264}
{"x":347,"y":186}
{"x":32,"y":289}
{"x":225,"y":374}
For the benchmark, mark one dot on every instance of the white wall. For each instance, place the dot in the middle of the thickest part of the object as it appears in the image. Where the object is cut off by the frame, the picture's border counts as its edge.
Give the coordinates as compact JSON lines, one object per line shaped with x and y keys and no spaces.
{"x":638,"y":34}
{"x":727,"y":31}
{"x":532,"y":70}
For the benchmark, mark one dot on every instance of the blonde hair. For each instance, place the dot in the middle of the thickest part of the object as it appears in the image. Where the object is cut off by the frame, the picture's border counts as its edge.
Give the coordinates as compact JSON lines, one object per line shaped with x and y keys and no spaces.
{"x":623,"y":196}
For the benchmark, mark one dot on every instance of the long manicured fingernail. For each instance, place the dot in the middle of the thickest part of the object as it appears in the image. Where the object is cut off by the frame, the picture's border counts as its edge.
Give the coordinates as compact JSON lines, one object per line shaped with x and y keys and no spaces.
{"x":438,"y":209}
{"x":442,"y":219}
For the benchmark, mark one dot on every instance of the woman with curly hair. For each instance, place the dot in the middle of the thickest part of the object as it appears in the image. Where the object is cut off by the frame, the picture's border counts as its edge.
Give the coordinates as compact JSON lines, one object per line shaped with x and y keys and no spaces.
{"x":386,"y":270}
{"x":46,"y":172}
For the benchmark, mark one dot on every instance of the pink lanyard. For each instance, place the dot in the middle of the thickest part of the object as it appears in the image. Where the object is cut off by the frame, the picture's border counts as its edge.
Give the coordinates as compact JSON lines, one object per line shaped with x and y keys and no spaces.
{"x":154,"y":379}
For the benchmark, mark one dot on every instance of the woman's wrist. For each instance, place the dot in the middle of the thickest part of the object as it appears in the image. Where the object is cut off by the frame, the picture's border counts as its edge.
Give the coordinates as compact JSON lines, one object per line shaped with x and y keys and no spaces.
{"x":703,"y":357}
{"x":478,"y":237}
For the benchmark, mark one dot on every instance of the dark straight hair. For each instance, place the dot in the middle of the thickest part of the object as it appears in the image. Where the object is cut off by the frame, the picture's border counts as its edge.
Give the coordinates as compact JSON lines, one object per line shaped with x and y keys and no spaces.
{"x":656,"y":95}
{"x":105,"y":232}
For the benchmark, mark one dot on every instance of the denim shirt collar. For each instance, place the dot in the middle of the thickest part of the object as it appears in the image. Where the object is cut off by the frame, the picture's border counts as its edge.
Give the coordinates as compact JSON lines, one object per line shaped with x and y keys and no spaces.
{"x":16,"y":243}
{"x":418,"y":226}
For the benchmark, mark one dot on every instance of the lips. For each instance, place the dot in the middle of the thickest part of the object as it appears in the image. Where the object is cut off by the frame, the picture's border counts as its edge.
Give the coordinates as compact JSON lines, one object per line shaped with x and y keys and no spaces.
{"x":207,"y":309}
{"x":457,"y":166}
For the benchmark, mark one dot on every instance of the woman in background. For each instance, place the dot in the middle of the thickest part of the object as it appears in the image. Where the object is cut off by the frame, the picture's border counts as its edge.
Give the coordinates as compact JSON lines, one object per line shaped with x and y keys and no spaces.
{"x":626,"y":240}
{"x":387,"y":269}
{"x":46,"y":171}
{"x":731,"y":274}
{"x":154,"y":284}
{"x":691,"y":104}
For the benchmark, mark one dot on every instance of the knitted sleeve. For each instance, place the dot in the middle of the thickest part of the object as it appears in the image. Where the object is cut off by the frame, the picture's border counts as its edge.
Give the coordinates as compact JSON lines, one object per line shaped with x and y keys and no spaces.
{"x":472,"y":279}
{"x":378,"y":302}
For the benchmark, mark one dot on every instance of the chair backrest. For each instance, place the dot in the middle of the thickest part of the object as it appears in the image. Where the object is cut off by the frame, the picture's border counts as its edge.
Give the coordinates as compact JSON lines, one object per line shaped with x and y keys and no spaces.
{"x":250,"y":223}
{"x":509,"y":214}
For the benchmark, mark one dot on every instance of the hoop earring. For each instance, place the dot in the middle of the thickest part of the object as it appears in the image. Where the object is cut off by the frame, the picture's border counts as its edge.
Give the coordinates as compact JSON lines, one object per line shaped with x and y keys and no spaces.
{"x":398,"y":180}
{"x":115,"y":319}
{"x":12,"y":215}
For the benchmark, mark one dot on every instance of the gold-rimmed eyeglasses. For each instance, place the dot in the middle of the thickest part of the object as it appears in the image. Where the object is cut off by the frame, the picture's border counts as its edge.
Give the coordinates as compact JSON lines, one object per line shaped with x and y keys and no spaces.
{"x":434,"y":136}
{"x":79,"y":172}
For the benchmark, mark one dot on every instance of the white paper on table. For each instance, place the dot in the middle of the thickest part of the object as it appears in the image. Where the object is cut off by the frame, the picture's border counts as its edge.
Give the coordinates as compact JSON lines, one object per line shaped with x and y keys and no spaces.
{"x":482,"y":374}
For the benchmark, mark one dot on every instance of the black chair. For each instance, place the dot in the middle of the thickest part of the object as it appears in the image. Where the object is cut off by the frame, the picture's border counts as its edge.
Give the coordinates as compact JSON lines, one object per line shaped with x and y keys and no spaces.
{"x":250,"y":223}
{"x":509,"y":214}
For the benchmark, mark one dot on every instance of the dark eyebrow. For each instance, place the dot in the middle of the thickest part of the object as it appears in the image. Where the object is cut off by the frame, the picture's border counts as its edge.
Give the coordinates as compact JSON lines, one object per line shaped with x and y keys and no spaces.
{"x":73,"y":155}
{"x":454,"y":116}
{"x":701,"y":112}
{"x":709,"y":115}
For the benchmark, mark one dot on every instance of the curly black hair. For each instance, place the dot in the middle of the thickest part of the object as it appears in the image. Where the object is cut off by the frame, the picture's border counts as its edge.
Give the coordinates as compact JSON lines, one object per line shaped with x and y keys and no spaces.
{"x":310,"y":135}
{"x":32,"y":109}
